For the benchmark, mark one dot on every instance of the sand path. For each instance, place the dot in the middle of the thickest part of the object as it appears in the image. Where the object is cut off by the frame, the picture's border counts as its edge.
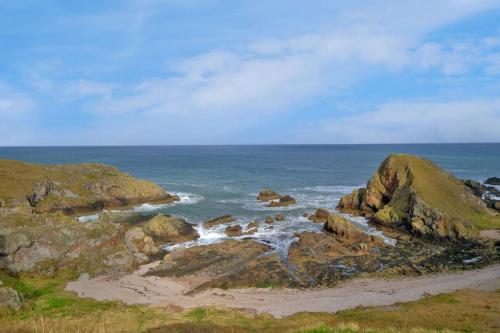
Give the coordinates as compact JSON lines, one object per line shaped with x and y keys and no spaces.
{"x":135,"y":288}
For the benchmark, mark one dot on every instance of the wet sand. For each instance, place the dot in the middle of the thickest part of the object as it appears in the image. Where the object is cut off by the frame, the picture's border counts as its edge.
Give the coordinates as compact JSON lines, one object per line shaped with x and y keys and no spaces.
{"x":135,"y":288}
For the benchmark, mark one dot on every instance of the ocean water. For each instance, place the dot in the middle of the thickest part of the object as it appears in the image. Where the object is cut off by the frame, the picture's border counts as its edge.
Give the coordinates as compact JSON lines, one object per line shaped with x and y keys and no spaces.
{"x":220,"y":180}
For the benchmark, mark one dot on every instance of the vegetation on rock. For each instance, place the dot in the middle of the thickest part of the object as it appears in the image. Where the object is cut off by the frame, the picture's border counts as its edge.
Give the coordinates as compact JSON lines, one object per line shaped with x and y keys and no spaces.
{"x":413,"y":194}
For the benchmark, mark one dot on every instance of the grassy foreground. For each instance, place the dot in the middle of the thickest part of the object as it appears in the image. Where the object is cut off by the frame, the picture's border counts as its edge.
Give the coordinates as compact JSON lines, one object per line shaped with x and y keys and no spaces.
{"x":49,"y":308}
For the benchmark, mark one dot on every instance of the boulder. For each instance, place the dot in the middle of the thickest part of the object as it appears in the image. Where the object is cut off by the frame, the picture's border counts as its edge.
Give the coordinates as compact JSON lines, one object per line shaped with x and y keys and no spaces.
{"x":279,"y":217}
{"x":234,"y":230}
{"x":74,"y":188}
{"x":141,"y":245}
{"x":10,"y":298}
{"x":254,"y":224}
{"x":340,"y":227}
{"x":412,"y":194}
{"x":219,"y":220}
{"x":213,"y":264}
{"x":169,"y":229}
{"x":284,"y":201}
{"x":492,"y":181}
{"x":268,"y":195}
{"x":269,"y":220}
{"x":320,"y":216}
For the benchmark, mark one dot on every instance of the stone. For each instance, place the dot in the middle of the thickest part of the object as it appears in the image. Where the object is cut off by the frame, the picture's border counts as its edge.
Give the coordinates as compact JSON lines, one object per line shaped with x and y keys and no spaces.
{"x":234,"y":230}
{"x":340,"y":227}
{"x":320,"y":216}
{"x":267,"y":195}
{"x":269,"y":220}
{"x":169,"y":229}
{"x":492,"y":181}
{"x":10,"y":298}
{"x":279,"y":217}
{"x":219,"y":220}
{"x":284,"y":201}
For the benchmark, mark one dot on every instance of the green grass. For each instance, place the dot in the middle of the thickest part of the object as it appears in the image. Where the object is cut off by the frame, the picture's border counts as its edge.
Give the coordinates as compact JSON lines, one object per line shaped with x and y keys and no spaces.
{"x":49,"y":306}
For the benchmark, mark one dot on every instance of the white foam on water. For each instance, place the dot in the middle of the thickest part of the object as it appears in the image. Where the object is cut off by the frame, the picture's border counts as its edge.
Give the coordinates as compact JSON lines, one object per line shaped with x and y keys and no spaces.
{"x":184,"y":199}
{"x":88,"y":218}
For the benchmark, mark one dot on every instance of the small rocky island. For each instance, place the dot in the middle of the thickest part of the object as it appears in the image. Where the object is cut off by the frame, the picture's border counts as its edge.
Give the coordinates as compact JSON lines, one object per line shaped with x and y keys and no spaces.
{"x":433,"y":218}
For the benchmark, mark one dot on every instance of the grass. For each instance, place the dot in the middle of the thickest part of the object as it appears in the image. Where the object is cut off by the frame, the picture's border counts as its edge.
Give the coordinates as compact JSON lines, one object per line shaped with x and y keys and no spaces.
{"x":49,"y":308}
{"x":439,"y":190}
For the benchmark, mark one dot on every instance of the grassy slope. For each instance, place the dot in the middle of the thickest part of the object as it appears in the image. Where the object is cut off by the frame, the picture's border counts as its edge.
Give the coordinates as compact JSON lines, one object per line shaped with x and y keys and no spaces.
{"x":17,"y":178}
{"x":49,"y":308}
{"x":444,"y":192}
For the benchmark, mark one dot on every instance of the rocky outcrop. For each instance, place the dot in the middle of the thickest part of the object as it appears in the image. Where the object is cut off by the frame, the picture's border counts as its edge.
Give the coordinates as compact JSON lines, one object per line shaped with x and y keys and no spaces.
{"x":234,"y":230}
{"x":235,"y":263}
{"x":169,"y":229}
{"x":268,"y":195}
{"x":73,"y":188}
{"x":10,"y":297}
{"x":52,"y":242}
{"x":284,"y":201}
{"x":413,"y":194}
{"x":489,"y":194}
{"x":320,"y":216}
{"x":219,"y":220}
{"x":342,"y":228}
{"x":492,"y":181}
{"x":275,"y":199}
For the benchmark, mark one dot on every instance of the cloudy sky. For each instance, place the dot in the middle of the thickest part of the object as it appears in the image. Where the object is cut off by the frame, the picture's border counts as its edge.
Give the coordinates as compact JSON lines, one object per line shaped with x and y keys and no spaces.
{"x":248,"y":72}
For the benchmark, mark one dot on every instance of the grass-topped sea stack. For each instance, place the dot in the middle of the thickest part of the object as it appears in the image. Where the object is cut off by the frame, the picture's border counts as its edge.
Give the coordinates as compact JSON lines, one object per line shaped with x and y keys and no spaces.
{"x":413,"y":194}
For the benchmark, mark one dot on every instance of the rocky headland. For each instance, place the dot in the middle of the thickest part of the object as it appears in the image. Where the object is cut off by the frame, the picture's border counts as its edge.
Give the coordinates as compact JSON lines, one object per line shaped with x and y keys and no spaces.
{"x":432,"y":218}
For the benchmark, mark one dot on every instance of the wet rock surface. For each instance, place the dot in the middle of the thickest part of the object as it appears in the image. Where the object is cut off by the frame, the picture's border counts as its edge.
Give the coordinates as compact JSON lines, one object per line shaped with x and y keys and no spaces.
{"x":492,"y":181}
{"x":219,"y":220}
{"x":234,"y":230}
{"x":283,"y":201}
{"x":268,"y":195}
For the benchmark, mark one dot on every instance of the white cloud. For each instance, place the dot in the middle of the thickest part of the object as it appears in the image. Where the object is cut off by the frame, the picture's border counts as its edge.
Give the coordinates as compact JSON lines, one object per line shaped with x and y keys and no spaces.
{"x":410,"y":122}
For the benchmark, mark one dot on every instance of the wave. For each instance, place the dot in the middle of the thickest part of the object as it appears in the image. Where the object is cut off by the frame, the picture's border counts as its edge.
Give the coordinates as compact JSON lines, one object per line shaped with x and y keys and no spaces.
{"x":185,"y":198}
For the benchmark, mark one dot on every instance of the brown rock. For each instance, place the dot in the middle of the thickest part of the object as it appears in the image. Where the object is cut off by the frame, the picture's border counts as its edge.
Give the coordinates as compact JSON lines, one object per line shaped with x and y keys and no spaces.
{"x":279,"y":217}
{"x":269,"y":220}
{"x":320,"y":216}
{"x":340,"y":227}
{"x":169,"y":229}
{"x":284,"y":201}
{"x":234,"y":230}
{"x":219,"y":220}
{"x":267,"y":195}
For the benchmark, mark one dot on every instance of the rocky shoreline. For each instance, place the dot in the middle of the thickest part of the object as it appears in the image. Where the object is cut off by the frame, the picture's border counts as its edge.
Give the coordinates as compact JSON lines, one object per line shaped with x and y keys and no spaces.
{"x":433,"y":219}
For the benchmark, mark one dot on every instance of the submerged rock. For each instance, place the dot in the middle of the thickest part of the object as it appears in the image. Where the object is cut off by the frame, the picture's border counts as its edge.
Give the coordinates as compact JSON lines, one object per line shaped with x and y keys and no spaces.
{"x":279,"y":217}
{"x":413,"y":194}
{"x":219,"y":220}
{"x":269,"y":220}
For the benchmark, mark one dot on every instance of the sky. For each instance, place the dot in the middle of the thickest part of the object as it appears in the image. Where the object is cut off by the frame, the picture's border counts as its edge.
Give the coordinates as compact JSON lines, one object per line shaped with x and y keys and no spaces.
{"x":165,"y":72}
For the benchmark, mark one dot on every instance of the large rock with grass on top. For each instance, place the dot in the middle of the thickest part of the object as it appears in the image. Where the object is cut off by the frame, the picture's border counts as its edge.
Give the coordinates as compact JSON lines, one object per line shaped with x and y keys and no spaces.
{"x":413,"y":194}
{"x":169,"y":229}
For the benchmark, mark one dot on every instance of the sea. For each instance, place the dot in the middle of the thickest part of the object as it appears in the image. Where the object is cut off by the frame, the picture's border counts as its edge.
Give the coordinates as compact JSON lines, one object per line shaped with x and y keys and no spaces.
{"x":225,"y":180}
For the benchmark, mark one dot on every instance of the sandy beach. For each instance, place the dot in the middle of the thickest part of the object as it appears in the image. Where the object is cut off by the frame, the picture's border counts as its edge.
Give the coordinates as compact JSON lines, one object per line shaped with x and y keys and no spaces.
{"x":135,"y":288}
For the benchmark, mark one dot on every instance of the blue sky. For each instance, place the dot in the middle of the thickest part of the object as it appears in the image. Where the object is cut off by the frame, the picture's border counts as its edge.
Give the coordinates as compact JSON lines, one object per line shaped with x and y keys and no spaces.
{"x":248,"y":72}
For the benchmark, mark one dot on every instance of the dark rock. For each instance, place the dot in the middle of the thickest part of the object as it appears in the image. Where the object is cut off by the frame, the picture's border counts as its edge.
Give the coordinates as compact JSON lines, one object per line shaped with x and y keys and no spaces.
{"x":279,"y":217}
{"x":492,"y":181}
